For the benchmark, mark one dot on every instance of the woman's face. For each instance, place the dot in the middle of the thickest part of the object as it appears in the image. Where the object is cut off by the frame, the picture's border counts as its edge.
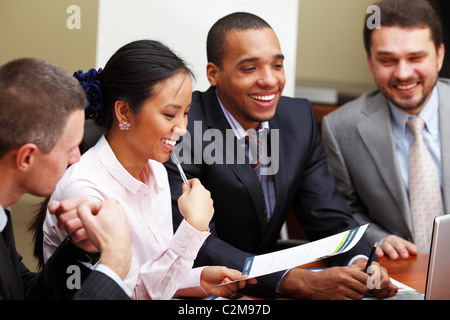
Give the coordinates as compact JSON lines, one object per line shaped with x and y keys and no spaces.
{"x":162,"y":119}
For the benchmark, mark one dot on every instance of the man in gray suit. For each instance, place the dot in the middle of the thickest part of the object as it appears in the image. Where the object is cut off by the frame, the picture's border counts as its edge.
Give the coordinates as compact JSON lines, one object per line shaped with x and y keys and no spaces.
{"x":368,"y":139}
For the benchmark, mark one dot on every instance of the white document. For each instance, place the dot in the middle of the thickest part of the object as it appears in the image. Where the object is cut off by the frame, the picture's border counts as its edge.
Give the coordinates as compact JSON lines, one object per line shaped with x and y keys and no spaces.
{"x":261,"y":265}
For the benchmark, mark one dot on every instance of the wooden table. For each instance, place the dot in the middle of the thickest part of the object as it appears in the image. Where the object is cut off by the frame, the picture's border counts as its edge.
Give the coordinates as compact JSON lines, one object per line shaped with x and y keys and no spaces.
{"x":411,"y":271}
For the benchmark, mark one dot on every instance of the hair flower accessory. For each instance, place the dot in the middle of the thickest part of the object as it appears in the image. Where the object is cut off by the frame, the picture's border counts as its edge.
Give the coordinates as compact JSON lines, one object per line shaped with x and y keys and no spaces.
{"x":91,"y":85}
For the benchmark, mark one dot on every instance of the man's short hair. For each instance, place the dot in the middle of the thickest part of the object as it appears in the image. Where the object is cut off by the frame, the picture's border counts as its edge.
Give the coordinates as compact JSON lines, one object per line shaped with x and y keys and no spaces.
{"x":36,"y":99}
{"x":215,"y":48}
{"x":406,"y":14}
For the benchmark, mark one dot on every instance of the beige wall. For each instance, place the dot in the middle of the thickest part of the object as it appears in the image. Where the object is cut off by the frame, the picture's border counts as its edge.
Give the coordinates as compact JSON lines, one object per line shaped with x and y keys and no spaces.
{"x":37,"y":28}
{"x":330,"y":47}
{"x":330,"y":54}
{"x":330,"y":51}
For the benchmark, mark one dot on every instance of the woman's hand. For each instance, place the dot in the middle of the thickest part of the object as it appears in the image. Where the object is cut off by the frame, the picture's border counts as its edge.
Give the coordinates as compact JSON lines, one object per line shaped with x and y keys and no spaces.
{"x":215,"y":275}
{"x":196,"y":205}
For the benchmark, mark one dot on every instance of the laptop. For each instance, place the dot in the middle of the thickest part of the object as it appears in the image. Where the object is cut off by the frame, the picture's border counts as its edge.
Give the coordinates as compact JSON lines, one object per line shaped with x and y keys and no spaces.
{"x":438,"y":280}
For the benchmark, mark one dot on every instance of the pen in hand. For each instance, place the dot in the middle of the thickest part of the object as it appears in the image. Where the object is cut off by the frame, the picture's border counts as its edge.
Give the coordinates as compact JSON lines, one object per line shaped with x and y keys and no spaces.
{"x":177,"y":163}
{"x":372,"y":254}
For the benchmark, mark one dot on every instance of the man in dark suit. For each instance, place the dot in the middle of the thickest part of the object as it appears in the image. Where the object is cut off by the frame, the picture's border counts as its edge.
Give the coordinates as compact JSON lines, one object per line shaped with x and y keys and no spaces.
{"x":251,"y":202}
{"x":41,"y":120}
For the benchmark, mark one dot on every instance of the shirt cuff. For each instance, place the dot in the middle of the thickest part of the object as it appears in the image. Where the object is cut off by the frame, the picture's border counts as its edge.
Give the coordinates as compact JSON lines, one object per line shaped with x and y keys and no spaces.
{"x":281,"y":279}
{"x":359,"y":256}
{"x":103,"y":268}
{"x":187,"y":240}
{"x":191,"y":286}
{"x":110,"y":273}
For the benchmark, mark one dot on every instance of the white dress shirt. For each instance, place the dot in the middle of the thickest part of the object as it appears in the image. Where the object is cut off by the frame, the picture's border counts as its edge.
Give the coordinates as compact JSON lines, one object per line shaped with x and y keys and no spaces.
{"x":3,"y":219}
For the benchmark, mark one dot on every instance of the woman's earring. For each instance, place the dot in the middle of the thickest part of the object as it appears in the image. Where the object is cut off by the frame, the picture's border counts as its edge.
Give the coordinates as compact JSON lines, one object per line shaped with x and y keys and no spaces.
{"x":124,"y":125}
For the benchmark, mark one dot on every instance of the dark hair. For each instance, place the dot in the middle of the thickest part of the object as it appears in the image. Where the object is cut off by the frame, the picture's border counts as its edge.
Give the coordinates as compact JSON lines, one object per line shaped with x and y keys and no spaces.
{"x":131,"y":75}
{"x":406,"y":14}
{"x":36,"y":99}
{"x":215,"y":48}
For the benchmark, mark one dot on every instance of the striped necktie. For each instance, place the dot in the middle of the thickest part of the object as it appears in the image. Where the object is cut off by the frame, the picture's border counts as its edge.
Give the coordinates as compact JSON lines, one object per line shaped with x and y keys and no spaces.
{"x":254,"y":153}
{"x":424,"y":187}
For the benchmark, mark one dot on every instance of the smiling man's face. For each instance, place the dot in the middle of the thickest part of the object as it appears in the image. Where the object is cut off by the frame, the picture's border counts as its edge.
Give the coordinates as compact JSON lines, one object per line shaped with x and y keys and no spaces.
{"x":251,"y":78}
{"x":405,"y":65}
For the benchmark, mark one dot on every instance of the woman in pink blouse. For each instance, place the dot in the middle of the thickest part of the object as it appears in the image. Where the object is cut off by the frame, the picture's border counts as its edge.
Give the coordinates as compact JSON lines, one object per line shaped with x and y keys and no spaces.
{"x":142,"y":98}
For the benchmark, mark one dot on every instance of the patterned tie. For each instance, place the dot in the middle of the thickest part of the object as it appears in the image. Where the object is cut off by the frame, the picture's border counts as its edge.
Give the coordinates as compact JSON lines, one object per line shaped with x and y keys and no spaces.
{"x":424,"y":188}
{"x":254,"y":155}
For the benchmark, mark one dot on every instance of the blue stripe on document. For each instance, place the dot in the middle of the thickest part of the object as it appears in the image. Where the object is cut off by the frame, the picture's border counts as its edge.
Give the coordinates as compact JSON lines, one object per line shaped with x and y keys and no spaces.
{"x":349,"y":239}
{"x":248,"y":265}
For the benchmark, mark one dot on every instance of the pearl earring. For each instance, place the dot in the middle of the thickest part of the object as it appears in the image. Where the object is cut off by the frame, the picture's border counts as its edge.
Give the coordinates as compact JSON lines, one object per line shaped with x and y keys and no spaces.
{"x":124,"y":125}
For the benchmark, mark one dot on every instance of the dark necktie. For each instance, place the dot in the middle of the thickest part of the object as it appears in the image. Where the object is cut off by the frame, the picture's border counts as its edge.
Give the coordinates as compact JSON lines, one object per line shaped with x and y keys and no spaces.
{"x":7,"y":234}
{"x":15,"y":285}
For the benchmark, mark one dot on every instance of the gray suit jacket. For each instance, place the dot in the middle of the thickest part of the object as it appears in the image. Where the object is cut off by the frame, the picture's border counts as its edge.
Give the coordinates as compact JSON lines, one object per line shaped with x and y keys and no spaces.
{"x":361,"y":155}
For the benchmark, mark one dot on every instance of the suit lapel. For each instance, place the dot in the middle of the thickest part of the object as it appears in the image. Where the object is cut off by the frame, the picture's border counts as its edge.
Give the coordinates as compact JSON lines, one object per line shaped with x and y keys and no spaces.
{"x":244,"y":173}
{"x":444,"y":115}
{"x":280,"y":177}
{"x":375,"y":131}
{"x":5,"y":256}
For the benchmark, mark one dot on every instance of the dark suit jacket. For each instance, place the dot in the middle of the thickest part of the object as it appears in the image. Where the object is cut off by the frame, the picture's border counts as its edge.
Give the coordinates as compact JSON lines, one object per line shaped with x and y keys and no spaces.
{"x":302,"y":183}
{"x":17,"y":282}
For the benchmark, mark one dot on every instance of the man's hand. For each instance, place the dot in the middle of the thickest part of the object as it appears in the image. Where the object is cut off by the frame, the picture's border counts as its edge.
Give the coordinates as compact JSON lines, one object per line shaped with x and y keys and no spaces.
{"x":336,"y":283}
{"x":97,"y":226}
{"x":106,"y":226}
{"x":379,"y":282}
{"x":395,"y":247}
{"x":68,"y":221}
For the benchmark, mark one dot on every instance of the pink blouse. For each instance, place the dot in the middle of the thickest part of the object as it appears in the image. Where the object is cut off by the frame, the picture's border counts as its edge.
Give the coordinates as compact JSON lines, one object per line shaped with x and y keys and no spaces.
{"x":161,"y":260}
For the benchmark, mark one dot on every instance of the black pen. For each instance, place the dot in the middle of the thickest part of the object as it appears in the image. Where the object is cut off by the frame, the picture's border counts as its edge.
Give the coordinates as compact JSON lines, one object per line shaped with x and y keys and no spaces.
{"x":372,"y":253}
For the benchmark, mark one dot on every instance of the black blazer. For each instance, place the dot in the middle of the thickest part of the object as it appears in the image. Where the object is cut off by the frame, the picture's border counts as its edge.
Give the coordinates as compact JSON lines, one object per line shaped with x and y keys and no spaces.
{"x":17,"y":282}
{"x":302,"y":183}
